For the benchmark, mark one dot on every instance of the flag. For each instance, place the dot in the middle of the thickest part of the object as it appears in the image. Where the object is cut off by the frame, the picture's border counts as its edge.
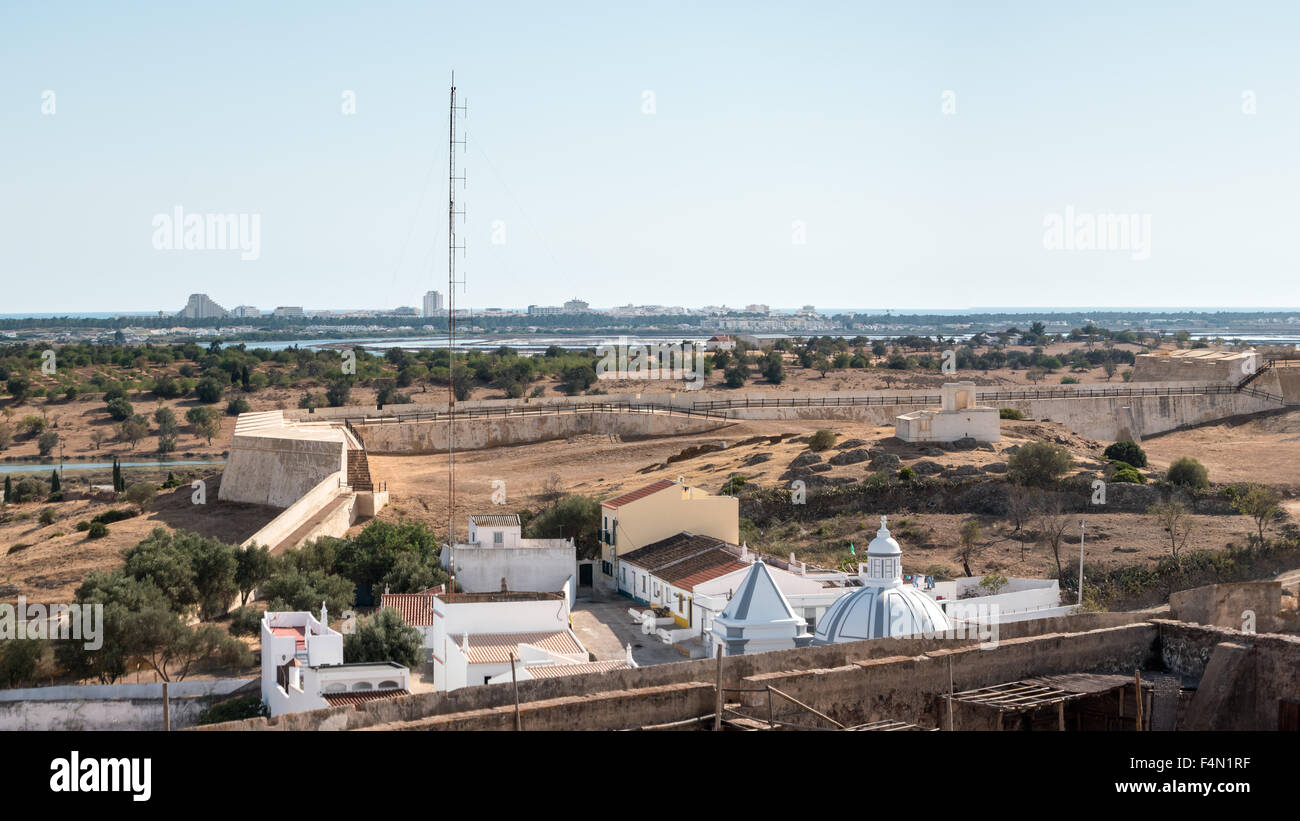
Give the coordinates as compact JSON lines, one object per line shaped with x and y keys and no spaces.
{"x":852,"y":551}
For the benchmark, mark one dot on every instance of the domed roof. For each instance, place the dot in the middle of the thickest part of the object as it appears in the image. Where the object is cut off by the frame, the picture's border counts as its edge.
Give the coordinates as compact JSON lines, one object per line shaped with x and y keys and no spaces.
{"x":883,"y":606}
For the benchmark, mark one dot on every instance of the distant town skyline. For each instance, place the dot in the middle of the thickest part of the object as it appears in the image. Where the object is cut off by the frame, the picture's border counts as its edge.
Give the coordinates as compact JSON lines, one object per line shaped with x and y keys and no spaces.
{"x":953,"y":156}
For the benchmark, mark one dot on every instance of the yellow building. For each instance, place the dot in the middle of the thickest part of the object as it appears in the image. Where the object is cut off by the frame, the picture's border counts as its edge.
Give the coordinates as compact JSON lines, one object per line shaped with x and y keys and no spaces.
{"x":665,"y":508}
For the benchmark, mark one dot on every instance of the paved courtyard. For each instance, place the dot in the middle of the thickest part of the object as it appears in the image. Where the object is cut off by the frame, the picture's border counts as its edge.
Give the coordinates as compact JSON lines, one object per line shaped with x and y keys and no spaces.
{"x":605,"y":629}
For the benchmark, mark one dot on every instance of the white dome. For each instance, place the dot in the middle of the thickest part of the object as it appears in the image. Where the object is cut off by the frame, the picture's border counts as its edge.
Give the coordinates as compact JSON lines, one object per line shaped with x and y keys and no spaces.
{"x":874,"y":612}
{"x":884,"y":606}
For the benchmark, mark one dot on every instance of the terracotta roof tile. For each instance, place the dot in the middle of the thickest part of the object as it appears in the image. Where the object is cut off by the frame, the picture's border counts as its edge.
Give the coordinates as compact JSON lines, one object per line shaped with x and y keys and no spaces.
{"x":361,"y":697}
{"x":495,"y":519}
{"x":640,"y":493}
{"x":559,"y":670}
{"x":686,"y":559}
{"x":495,"y":648}
{"x":416,"y":609}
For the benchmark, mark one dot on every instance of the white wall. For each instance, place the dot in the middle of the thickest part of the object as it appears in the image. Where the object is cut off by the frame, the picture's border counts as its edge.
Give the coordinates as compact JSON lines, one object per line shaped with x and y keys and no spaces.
{"x":533,"y":569}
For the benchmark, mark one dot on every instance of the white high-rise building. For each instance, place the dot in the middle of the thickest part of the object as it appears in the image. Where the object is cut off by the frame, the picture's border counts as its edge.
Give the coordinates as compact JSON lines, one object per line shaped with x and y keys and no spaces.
{"x":432,"y":303}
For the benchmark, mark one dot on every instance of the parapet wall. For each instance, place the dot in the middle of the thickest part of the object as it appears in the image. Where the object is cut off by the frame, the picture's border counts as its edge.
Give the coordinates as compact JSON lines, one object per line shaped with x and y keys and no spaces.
{"x":279,"y":470}
{"x":474,"y":433}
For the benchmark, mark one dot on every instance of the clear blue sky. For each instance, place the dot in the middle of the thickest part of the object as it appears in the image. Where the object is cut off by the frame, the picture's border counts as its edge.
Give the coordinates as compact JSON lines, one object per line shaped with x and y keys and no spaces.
{"x":766,"y":113}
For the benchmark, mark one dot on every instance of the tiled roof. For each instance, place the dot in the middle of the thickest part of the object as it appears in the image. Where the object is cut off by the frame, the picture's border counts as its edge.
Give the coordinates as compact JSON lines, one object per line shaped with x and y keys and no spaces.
{"x":640,"y":493}
{"x":495,"y":648}
{"x":416,"y":609}
{"x":558,"y":670}
{"x":495,"y":519}
{"x":299,"y":633}
{"x":686,"y":559}
{"x":337,"y":699}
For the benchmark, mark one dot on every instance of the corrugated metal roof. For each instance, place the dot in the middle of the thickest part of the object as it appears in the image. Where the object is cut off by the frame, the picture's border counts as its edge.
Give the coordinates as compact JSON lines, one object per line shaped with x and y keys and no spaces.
{"x":361,"y":697}
{"x":495,"y":648}
{"x":495,"y":519}
{"x":559,"y":670}
{"x":640,"y":493}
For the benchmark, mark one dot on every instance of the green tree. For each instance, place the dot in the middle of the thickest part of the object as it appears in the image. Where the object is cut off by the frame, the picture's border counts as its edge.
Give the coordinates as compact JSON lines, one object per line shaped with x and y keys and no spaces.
{"x":774,"y":368}
{"x":206,"y":422}
{"x":1127,"y":452}
{"x":410,"y":573}
{"x":970,"y":537}
{"x":338,"y":393}
{"x":119,"y":409}
{"x":573,"y":517}
{"x":141,"y":495}
{"x":1260,"y":503}
{"x":252,"y":567}
{"x":300,"y":591}
{"x":1189,"y":473}
{"x":208,"y":391}
{"x":134,"y":429}
{"x":384,"y":637}
{"x":1038,"y":464}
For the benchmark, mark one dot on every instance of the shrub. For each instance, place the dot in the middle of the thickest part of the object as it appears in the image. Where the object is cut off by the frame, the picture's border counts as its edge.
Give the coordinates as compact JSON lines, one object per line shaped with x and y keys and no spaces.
{"x":234,"y":709}
{"x":237,"y":406}
{"x":1189,"y":473}
{"x":141,"y":495}
{"x":1010,"y":413}
{"x":208,"y":391}
{"x":906,"y":474}
{"x":47,"y":442}
{"x":47,"y":516}
{"x":821,"y":440}
{"x":1127,"y":452}
{"x":119,"y":409}
{"x":1128,"y":475}
{"x":1038,"y":463}
{"x":110,"y":516}
{"x":83,"y":525}
{"x":1069,"y":380}
{"x":97,"y":530}
{"x":245,"y":621}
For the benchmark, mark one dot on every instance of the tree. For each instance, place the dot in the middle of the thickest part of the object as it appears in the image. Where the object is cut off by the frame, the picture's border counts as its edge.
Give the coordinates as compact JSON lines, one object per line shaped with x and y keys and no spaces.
{"x":970,"y":534}
{"x":141,"y":495}
{"x":774,"y":368}
{"x":821,"y":440}
{"x":56,"y":484}
{"x":96,"y":438}
{"x":119,"y":409}
{"x":411,"y":573}
{"x":384,"y":637}
{"x":1127,"y":452}
{"x":252,"y":567}
{"x":134,"y":429}
{"x":1038,"y":464}
{"x":119,"y":483}
{"x":304,"y":591}
{"x":1176,"y":520}
{"x":338,"y":393}
{"x":737,"y":373}
{"x":1189,"y":473}
{"x":1263,"y":504}
{"x":573,"y":517}
{"x":18,"y":387}
{"x":208,"y":391}
{"x":46,"y":443}
{"x":206,"y":422}
{"x":9,"y":489}
{"x":1050,"y":522}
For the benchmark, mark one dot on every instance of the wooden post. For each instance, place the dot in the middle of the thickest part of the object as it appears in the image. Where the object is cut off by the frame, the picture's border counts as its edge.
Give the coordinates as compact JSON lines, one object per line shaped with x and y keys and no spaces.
{"x":1137,"y":687}
{"x":1060,"y":716}
{"x":167,"y":717}
{"x":717,"y":713}
{"x":951,"y":694}
{"x":770,"y":725}
{"x":515,"y":683}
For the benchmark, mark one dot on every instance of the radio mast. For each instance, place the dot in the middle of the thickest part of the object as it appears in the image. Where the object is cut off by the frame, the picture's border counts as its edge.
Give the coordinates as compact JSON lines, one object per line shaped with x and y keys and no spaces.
{"x":452,"y":282}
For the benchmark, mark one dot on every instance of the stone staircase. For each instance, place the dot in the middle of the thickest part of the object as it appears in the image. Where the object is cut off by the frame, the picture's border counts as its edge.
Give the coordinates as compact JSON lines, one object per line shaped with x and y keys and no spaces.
{"x":359,"y":471}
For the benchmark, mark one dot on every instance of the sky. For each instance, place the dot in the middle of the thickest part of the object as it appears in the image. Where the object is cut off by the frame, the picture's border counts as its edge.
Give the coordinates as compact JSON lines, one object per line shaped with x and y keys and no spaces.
{"x":874,"y":155}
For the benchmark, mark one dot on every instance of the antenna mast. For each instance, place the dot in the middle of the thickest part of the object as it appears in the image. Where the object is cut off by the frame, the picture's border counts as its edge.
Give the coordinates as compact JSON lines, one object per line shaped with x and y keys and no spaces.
{"x":452,"y":282}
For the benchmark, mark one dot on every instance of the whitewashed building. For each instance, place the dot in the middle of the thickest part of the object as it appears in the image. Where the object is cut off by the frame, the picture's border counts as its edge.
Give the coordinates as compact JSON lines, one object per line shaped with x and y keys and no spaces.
{"x":957,"y":418}
{"x":497,"y":557}
{"x":758,"y":618}
{"x":303,"y":667}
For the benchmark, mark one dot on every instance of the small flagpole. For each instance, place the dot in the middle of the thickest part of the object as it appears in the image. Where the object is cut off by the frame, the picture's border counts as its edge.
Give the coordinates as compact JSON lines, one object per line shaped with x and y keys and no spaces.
{"x":1080,"y":561}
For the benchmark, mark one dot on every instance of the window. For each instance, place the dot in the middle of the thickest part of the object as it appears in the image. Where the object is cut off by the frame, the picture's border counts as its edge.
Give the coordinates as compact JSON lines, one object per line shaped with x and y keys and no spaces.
{"x":498,"y":538}
{"x":643,"y":584}
{"x":679,"y":603}
{"x":363,"y":685}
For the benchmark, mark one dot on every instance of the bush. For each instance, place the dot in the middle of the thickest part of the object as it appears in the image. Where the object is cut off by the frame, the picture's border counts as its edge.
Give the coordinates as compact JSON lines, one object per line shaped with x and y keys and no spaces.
{"x":235,"y":709}
{"x":1010,"y":413}
{"x":1069,"y":380}
{"x":208,"y":391}
{"x":97,"y":530}
{"x":245,"y":621}
{"x":1127,"y":452}
{"x":119,"y":409}
{"x":110,"y":516}
{"x":1189,"y":473}
{"x":47,"y":516}
{"x":237,"y":406}
{"x":1038,"y":463}
{"x":906,"y":474}
{"x":83,"y":525}
{"x":1129,"y":475}
{"x":821,"y":440}
{"x":47,"y":442}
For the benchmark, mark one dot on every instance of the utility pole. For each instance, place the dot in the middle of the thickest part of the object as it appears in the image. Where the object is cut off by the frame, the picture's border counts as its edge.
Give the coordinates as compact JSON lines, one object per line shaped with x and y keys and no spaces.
{"x":451,"y":313}
{"x":1080,"y":561}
